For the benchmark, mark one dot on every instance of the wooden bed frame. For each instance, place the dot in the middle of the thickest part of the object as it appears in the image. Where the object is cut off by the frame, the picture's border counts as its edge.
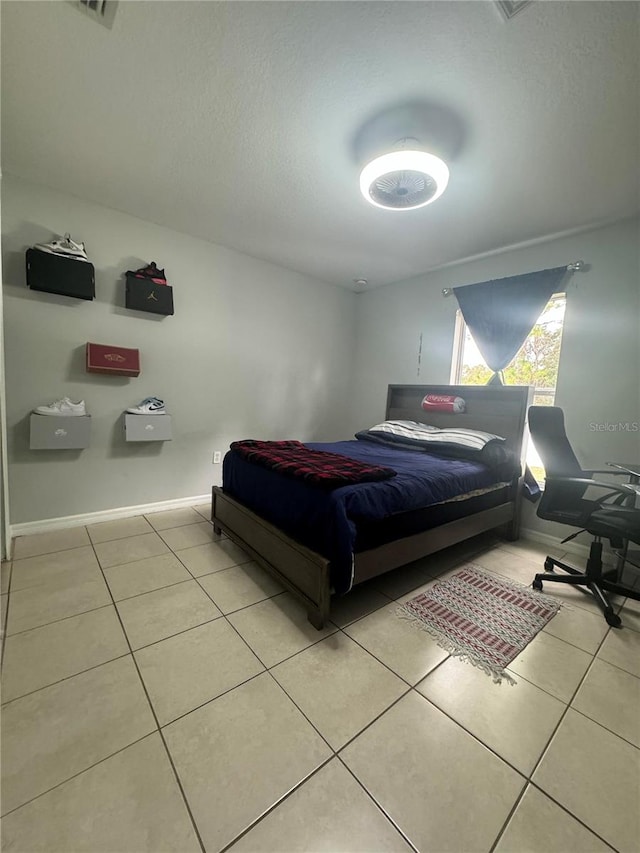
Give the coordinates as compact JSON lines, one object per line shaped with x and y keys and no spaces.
{"x":492,"y":408}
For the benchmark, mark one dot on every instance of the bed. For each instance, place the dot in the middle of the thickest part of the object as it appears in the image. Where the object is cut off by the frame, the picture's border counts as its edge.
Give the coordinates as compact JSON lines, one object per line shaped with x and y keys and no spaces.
{"x":319,"y":544}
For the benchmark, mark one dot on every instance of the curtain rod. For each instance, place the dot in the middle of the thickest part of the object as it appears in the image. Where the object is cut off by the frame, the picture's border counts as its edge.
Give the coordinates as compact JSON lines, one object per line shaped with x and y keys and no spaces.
{"x":576,"y":266}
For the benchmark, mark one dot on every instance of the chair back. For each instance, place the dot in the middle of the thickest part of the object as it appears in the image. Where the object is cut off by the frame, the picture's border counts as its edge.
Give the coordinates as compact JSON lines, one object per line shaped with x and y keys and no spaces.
{"x":560,"y":502}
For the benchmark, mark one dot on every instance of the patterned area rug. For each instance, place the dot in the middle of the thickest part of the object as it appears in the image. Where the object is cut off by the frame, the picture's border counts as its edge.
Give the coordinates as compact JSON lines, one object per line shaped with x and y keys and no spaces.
{"x":481,"y":618}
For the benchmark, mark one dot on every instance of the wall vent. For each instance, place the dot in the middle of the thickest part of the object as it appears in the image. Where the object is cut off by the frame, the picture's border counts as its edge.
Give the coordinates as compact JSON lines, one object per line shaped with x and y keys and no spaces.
{"x":509,"y":8}
{"x":102,"y":11}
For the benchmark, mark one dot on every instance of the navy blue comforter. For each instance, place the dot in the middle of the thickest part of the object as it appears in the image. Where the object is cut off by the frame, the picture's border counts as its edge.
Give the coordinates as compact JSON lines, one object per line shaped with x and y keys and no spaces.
{"x":325,"y":521}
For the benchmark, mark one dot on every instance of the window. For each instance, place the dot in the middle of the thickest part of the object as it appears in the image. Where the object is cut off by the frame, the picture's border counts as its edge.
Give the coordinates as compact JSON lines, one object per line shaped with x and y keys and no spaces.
{"x":536,"y":362}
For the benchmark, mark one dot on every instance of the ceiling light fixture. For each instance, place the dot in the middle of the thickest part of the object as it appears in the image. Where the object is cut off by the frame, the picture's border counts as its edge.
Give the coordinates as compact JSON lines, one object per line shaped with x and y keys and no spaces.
{"x":404,"y":179}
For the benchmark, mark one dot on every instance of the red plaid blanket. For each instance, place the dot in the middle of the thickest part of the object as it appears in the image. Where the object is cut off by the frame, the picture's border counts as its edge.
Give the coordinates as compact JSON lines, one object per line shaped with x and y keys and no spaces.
{"x":328,"y":470}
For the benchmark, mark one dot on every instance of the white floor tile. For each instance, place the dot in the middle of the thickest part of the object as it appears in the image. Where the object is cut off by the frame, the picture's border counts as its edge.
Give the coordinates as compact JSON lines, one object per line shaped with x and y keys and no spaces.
{"x":132,"y":548}
{"x":189,"y":669}
{"x":630,"y":614}
{"x":579,"y":627}
{"x":239,"y":754}
{"x":51,"y":735}
{"x":539,"y":825}
{"x":121,"y":528}
{"x":47,"y":543}
{"x":410,"y":652}
{"x":159,"y":614}
{"x":515,"y":565}
{"x":64,"y":568}
{"x":329,"y":812}
{"x":610,"y":696}
{"x":535,"y":551}
{"x":129,"y":802}
{"x":143,"y":576}
{"x":188,"y":536}
{"x":622,"y":648}
{"x":213,"y":557}
{"x":594,"y":775}
{"x":240,"y":586}
{"x":516,"y":721}
{"x":42,"y":656}
{"x":443,"y":789}
{"x":41,"y":605}
{"x":553,"y":665}
{"x":340,"y":687}
{"x":82,"y":773}
{"x":204,"y":510}
{"x":277,"y":628}
{"x":173,"y":518}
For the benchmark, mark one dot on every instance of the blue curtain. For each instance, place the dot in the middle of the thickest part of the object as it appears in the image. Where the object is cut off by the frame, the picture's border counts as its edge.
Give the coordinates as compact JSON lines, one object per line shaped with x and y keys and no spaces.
{"x":501,"y":313}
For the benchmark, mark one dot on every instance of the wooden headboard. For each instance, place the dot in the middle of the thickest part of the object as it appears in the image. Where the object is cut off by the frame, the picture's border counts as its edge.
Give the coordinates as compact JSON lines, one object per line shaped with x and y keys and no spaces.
{"x":500,"y":409}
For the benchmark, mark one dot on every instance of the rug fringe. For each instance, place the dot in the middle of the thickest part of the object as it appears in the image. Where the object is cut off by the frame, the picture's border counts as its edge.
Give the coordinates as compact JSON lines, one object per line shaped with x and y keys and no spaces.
{"x":497,"y":673}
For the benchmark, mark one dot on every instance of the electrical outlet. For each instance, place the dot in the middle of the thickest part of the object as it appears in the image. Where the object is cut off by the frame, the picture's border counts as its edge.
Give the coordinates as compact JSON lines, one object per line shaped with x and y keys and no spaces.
{"x":217,"y":457}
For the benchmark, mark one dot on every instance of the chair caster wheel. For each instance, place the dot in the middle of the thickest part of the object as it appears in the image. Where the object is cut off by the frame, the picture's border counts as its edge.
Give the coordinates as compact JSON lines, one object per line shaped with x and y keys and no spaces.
{"x":537,"y":584}
{"x":548,"y":565}
{"x":613,"y":620}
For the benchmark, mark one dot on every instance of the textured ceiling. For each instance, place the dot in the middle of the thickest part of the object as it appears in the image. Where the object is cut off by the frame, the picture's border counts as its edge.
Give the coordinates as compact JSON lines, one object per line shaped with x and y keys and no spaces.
{"x":237,"y":122}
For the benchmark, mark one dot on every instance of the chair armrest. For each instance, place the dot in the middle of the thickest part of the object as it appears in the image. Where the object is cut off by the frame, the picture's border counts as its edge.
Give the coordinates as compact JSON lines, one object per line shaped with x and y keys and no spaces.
{"x":622,"y":489}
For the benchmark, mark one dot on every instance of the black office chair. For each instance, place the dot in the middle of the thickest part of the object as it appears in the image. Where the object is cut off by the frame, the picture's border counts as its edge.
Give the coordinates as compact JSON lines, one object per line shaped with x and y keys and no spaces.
{"x":610,"y":517}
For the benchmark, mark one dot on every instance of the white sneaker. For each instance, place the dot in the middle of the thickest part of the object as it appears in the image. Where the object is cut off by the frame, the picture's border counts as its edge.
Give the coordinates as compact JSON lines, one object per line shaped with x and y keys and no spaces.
{"x":64,"y":246}
{"x":149,"y":406}
{"x":64,"y":408}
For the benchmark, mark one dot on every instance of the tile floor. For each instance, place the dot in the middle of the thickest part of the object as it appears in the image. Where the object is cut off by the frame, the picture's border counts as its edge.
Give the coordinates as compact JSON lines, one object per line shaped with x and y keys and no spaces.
{"x":162,"y":693}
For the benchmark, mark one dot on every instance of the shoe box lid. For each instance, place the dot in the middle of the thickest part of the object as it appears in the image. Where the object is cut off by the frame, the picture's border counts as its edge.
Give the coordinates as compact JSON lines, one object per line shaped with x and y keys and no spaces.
{"x":116,"y":361}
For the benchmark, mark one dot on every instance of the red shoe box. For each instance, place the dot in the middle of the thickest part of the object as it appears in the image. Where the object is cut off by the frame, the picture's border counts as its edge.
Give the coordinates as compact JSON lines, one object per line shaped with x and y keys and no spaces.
{"x":117,"y":361}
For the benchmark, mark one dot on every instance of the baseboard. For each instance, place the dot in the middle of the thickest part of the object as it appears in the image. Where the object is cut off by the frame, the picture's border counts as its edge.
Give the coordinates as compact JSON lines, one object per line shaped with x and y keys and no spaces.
{"x":48,"y":524}
{"x":573,"y":547}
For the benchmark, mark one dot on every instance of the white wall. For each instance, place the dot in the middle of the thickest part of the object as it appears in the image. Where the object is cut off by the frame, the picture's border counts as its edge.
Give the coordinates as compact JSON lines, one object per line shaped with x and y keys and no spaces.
{"x":599,"y":375}
{"x":259,"y":351}
{"x":253,"y":350}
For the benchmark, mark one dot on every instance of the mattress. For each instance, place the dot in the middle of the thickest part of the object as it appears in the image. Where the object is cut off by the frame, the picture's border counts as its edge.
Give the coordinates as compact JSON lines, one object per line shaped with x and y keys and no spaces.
{"x":337,"y":523}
